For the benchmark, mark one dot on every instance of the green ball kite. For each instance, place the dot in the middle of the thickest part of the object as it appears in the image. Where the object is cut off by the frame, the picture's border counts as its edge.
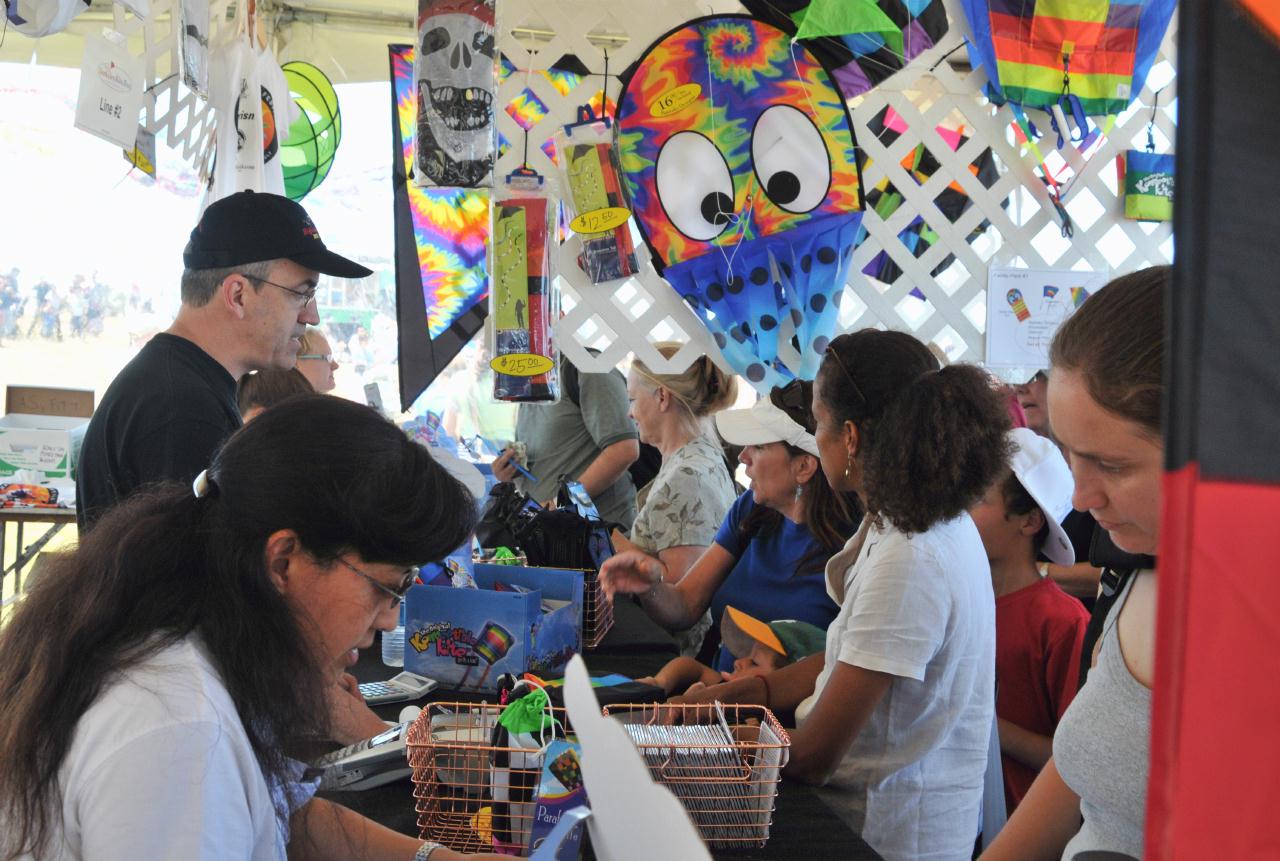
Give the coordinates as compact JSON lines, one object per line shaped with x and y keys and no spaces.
{"x":307,"y":154}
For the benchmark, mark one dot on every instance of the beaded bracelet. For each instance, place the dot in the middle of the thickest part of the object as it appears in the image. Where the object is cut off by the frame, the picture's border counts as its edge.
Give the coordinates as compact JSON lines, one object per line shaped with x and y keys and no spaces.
{"x":425,"y":850}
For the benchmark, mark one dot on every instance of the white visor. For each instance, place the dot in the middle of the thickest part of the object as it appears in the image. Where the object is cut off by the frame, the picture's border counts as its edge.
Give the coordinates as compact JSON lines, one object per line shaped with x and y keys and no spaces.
{"x":761,"y":424}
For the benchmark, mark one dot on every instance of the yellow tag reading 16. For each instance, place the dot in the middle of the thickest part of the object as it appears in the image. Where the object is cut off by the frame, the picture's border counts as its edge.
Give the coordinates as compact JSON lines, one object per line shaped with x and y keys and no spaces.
{"x":675,"y":100}
{"x":522,"y":364}
{"x":600,"y":220}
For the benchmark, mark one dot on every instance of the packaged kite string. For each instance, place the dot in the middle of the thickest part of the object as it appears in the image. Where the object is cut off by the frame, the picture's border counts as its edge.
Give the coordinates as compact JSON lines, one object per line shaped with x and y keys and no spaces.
{"x":524,"y":302}
{"x":594,"y":198}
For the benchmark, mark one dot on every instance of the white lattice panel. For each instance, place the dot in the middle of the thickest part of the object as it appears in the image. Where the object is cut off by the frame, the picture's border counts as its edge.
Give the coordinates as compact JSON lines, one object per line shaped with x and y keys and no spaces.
{"x":629,"y":317}
{"x":177,"y":116}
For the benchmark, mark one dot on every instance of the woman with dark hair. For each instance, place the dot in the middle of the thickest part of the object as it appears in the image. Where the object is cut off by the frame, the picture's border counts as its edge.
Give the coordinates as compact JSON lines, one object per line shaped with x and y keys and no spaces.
{"x":1106,"y":393}
{"x":895,"y":717}
{"x":768,"y":554}
{"x":162,"y":684}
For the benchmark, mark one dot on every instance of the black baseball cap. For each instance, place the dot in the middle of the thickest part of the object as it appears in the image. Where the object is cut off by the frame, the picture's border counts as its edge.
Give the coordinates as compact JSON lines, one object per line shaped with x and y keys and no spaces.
{"x":248,"y":227}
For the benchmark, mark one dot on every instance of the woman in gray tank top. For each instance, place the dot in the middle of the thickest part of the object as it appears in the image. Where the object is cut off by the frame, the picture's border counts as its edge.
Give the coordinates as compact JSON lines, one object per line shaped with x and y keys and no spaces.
{"x":1106,"y":391}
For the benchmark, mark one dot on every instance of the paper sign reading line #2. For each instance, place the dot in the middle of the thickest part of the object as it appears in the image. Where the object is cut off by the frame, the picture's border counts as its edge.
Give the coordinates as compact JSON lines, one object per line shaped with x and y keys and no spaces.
{"x":600,"y":220}
{"x":522,"y":364}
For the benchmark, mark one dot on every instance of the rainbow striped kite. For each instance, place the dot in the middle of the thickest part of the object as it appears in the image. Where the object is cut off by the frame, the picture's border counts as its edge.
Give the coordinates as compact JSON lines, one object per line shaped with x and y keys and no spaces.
{"x":1102,"y":48}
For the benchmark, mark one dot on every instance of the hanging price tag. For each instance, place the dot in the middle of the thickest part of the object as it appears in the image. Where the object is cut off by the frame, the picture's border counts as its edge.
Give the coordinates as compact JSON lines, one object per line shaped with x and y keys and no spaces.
{"x":600,"y":220}
{"x":143,"y":154}
{"x":522,"y":364}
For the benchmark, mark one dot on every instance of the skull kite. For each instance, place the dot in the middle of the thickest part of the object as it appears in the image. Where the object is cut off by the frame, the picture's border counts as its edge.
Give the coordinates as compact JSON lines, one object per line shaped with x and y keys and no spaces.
{"x":740,"y":160}
{"x":455,"y":80}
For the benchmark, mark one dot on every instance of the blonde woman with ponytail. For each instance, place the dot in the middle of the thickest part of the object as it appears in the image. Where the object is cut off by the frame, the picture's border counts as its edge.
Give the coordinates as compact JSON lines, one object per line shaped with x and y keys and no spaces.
{"x":679,"y":512}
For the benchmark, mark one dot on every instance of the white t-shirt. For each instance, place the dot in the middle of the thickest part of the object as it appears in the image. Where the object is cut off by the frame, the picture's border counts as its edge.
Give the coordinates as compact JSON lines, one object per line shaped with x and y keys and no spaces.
{"x":250,"y":127}
{"x":160,"y":767}
{"x":922,"y":609}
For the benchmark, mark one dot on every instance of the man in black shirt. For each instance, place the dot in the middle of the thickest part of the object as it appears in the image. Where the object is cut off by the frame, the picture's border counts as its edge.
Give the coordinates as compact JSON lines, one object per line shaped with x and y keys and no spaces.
{"x":248,"y":292}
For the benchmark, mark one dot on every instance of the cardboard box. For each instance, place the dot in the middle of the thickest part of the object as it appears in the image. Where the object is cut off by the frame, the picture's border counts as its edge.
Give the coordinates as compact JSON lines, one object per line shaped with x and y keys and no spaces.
{"x":47,"y":444}
{"x":467,"y":638}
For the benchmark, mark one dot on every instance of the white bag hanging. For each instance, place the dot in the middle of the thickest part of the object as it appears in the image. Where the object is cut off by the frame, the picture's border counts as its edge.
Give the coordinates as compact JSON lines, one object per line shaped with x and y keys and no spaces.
{"x":111,"y":89}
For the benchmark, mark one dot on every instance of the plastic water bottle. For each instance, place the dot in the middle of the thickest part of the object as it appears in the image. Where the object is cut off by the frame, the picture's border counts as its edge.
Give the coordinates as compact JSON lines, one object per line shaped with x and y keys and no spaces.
{"x":393,"y":643}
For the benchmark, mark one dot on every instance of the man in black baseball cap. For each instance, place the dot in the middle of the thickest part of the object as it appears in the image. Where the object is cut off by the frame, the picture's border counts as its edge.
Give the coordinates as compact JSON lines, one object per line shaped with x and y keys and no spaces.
{"x":252,"y":266}
{"x":248,"y":227}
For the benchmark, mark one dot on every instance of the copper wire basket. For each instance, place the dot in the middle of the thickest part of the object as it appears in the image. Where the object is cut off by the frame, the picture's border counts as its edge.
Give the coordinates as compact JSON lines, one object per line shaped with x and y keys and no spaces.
{"x":477,"y":796}
{"x":473,"y":795}
{"x":723,"y":762}
{"x":597,"y":612}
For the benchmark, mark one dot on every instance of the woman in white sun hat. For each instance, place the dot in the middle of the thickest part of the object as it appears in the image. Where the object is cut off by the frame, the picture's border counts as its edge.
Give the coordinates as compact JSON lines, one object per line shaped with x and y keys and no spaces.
{"x":768,"y":555}
{"x":1039,"y":628}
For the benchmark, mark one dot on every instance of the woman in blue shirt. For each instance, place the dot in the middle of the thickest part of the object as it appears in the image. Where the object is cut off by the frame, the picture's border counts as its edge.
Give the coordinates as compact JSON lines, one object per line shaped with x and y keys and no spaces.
{"x":768,"y":556}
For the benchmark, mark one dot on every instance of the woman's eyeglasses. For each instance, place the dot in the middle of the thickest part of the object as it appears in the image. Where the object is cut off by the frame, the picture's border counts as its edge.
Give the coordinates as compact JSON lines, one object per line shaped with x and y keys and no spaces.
{"x":397,"y":594}
{"x":324,"y":357}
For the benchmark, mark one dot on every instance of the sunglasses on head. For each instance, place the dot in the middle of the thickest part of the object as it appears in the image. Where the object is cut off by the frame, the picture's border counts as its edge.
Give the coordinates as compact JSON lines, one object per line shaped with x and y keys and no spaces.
{"x":796,"y":400}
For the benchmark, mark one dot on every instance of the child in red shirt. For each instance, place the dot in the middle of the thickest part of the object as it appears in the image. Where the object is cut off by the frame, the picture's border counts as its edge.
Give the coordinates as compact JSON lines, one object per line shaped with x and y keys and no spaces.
{"x":1039,"y":628}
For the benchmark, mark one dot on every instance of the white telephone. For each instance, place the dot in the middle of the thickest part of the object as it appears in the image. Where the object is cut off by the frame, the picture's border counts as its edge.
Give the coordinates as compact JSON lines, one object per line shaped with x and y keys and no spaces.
{"x":369,"y":763}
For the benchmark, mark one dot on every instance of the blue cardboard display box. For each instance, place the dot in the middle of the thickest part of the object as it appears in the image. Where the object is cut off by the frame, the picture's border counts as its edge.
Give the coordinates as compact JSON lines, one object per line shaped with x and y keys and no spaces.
{"x":467,"y":638}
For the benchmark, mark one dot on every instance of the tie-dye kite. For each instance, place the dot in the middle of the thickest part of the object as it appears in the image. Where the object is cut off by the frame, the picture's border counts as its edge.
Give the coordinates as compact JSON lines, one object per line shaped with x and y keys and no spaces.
{"x":441,"y":234}
{"x":740,"y":161}
{"x":864,"y":42}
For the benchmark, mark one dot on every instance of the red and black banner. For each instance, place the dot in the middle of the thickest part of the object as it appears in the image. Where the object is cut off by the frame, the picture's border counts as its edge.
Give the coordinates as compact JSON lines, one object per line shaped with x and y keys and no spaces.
{"x":1215,"y":743}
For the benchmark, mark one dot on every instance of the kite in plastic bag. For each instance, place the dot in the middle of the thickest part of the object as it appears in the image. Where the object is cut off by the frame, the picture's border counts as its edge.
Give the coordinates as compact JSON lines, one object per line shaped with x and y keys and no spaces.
{"x":864,"y":42}
{"x":455,"y":77}
{"x":740,"y":161}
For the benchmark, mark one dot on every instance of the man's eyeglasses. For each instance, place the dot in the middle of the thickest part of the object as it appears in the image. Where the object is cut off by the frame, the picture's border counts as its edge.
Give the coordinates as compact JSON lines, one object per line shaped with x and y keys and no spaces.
{"x":308,"y":296}
{"x":324,"y":357}
{"x":397,"y":594}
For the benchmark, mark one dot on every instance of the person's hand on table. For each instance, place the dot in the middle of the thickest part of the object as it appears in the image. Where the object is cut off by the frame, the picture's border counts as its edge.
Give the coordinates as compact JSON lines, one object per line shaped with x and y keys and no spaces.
{"x":503,"y":468}
{"x":630,"y":572}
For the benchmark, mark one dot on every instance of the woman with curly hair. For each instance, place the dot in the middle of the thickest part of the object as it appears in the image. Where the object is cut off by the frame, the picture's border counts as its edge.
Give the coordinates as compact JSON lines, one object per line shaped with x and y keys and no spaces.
{"x":895,"y":717}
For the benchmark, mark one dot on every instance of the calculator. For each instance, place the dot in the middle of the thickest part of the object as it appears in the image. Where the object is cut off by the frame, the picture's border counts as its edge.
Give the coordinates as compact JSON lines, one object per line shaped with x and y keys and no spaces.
{"x":405,"y":686}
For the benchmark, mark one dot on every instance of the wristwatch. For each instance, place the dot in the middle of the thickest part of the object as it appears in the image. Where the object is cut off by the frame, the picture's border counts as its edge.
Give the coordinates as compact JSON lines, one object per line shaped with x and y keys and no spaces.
{"x":426,"y":849}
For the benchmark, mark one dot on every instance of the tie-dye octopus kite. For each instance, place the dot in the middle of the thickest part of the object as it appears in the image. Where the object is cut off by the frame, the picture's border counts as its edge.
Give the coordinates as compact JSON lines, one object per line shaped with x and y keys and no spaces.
{"x":740,"y":160}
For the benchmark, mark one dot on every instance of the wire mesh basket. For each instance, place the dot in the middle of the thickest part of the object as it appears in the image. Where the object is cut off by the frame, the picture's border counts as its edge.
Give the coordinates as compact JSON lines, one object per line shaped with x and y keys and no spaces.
{"x":722,"y":762}
{"x":475,"y":793}
{"x":597,"y":612}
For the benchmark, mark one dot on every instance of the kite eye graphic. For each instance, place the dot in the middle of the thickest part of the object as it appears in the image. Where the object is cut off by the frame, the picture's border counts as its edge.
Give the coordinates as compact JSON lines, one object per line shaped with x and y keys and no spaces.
{"x":695,"y":186}
{"x":791,"y":159}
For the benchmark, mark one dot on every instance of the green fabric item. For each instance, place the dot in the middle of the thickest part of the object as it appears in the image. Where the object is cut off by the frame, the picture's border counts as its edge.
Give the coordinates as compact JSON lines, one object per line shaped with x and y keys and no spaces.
{"x":504,"y":556}
{"x":846,"y":17}
{"x":800,"y":639}
{"x":527,"y":714}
